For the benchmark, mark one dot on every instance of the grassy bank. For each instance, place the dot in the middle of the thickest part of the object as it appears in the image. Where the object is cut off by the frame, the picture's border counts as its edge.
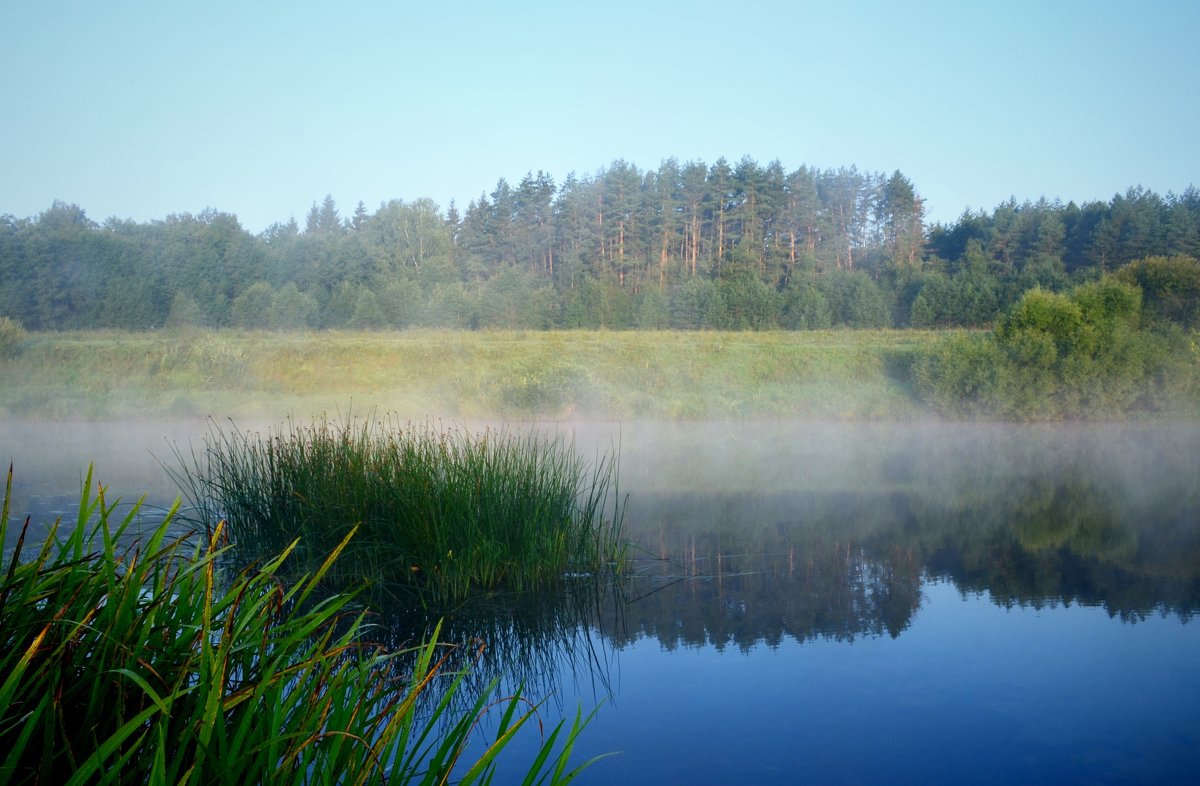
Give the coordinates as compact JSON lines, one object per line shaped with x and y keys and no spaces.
{"x":677,"y":375}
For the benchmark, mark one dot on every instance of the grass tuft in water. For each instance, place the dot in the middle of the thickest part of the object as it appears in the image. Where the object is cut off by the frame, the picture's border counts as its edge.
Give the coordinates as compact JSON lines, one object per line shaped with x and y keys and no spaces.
{"x":126,"y":659}
{"x":442,"y":510}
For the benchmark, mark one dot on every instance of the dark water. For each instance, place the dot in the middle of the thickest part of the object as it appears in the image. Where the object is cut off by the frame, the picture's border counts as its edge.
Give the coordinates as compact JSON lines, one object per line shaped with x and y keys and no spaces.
{"x":837,"y":603}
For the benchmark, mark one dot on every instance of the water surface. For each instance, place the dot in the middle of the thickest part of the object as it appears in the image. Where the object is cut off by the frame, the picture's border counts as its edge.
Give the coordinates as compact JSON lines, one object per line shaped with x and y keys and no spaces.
{"x":840,"y":603}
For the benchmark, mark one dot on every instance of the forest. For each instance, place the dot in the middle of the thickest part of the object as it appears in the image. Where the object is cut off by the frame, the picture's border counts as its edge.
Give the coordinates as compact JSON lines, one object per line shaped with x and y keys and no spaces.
{"x":685,"y":246}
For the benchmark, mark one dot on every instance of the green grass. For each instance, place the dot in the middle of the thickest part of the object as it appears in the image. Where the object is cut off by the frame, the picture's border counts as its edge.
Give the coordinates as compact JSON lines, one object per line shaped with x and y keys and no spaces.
{"x":134,"y":660}
{"x":440,"y":509}
{"x":675,"y":375}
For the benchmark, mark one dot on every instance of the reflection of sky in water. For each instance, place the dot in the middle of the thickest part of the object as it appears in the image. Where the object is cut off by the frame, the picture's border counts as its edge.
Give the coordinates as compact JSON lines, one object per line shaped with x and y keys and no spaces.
{"x":967,"y":692}
{"x":970,"y":693}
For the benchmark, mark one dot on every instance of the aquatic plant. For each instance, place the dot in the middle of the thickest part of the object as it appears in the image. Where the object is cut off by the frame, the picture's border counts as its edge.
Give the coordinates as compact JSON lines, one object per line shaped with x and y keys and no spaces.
{"x":134,"y":660}
{"x":441,"y":509}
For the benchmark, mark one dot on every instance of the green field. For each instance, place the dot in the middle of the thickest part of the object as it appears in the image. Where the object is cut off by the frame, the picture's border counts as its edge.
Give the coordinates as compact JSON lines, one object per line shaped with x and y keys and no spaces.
{"x":560,"y":374}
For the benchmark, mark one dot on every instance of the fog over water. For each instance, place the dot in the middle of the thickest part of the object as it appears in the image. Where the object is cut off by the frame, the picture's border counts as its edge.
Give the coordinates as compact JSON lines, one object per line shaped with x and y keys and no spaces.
{"x":752,"y":462}
{"x":1121,"y":496}
{"x":51,"y":456}
{"x":830,"y":601}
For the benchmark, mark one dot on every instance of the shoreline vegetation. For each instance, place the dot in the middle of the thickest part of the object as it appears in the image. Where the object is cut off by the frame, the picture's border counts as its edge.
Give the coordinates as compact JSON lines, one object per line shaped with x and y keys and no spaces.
{"x":439,"y":513}
{"x":93,"y":375}
{"x":1048,"y":341}
{"x":144,"y":659}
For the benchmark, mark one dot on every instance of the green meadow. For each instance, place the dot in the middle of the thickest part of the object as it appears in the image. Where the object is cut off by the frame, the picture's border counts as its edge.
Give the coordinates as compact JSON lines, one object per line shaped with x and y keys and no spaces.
{"x":459,"y":374}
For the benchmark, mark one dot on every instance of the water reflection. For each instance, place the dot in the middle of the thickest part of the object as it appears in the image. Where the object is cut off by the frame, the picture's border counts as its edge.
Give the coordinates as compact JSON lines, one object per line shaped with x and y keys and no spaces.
{"x":790,"y":541}
{"x":738,"y":568}
{"x":534,"y":640}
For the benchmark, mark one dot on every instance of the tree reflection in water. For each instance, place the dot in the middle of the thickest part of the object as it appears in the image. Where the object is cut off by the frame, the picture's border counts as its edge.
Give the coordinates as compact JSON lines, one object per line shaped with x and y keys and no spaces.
{"x":745,"y":568}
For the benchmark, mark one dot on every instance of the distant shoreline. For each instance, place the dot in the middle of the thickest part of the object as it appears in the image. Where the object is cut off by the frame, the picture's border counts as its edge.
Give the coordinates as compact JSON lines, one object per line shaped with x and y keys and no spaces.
{"x":579,"y":374}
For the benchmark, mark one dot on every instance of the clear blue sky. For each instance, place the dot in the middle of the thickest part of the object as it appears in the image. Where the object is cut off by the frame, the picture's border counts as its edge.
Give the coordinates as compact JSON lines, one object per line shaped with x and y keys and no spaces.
{"x":142,"y":109}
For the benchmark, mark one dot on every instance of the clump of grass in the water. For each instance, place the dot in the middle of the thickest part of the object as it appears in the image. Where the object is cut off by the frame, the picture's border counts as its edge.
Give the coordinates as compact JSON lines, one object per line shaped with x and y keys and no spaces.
{"x":134,"y":662}
{"x":444,"y":510}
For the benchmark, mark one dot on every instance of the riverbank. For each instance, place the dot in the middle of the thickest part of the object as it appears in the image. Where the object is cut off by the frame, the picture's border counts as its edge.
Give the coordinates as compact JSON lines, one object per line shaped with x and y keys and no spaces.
{"x":840,"y":374}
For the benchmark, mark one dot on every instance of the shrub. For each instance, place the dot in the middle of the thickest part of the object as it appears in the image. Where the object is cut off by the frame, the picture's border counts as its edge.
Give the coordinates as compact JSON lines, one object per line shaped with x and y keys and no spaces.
{"x":1171,"y":287}
{"x":963,"y":374}
{"x":12,"y":337}
{"x":1057,"y":356}
{"x":251,"y":308}
{"x":541,"y":388}
{"x":184,"y":313}
{"x":804,"y":307}
{"x":292,"y":309}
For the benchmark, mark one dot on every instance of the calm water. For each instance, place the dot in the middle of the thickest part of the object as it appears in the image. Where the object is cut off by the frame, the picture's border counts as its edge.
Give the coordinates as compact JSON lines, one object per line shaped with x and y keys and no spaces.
{"x":838,"y":603}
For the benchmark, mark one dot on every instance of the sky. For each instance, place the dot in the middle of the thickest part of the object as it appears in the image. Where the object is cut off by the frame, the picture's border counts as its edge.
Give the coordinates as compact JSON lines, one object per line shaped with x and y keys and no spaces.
{"x":140,"y":110}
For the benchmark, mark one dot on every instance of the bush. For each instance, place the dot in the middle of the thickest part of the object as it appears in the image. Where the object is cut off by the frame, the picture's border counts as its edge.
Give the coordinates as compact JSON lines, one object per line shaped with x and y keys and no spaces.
{"x":854,"y":299}
{"x":292,"y":309}
{"x":1170,"y":285}
{"x":252,"y":308}
{"x":804,"y":308}
{"x":541,"y":388}
{"x":184,"y":313}
{"x":12,"y":337}
{"x":1058,"y":356}
{"x":963,"y":374}
{"x":691,"y":304}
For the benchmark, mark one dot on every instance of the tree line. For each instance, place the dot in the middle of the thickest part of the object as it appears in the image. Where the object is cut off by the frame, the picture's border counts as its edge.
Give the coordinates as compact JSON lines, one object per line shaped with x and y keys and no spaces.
{"x":684,"y":246}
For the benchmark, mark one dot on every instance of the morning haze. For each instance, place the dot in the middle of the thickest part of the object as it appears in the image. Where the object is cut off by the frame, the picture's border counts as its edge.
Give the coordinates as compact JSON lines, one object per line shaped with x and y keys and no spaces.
{"x":778,"y":393}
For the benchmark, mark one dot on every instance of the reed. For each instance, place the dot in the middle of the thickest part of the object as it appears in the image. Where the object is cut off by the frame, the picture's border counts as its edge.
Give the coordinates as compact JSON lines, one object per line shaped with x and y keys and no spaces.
{"x":437,"y":509}
{"x":133,"y":660}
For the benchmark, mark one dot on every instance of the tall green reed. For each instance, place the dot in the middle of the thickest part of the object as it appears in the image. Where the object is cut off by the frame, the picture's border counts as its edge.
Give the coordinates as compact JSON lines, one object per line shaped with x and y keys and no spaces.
{"x":133,"y":659}
{"x":442,"y":510}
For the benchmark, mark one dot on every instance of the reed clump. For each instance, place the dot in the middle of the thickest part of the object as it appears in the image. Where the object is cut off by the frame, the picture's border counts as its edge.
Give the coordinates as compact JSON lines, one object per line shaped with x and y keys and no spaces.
{"x":130,"y":660}
{"x":438,"y":509}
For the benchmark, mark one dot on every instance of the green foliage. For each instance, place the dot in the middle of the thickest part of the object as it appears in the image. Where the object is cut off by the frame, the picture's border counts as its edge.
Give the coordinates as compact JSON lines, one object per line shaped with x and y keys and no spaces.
{"x":214,"y":359}
{"x":338,"y":309}
{"x":292,"y":309}
{"x":367,"y":313}
{"x":1053,"y":355}
{"x":1170,"y":286}
{"x":854,"y":299}
{"x":587,"y":252}
{"x":967,"y":298}
{"x":443,"y":512}
{"x":184,"y":313}
{"x":12,"y":337}
{"x":749,"y":304}
{"x":450,"y":306}
{"x":542,"y":388}
{"x":401,"y":302}
{"x":692,"y":303}
{"x":512,"y":300}
{"x":961,"y":374}
{"x":251,"y":309}
{"x":140,"y":660}
{"x":654,"y":311}
{"x":1042,"y":327}
{"x":804,"y":307}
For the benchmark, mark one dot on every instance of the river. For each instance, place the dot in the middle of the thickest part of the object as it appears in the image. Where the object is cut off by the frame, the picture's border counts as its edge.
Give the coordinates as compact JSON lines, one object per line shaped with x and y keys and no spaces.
{"x":819,"y":602}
